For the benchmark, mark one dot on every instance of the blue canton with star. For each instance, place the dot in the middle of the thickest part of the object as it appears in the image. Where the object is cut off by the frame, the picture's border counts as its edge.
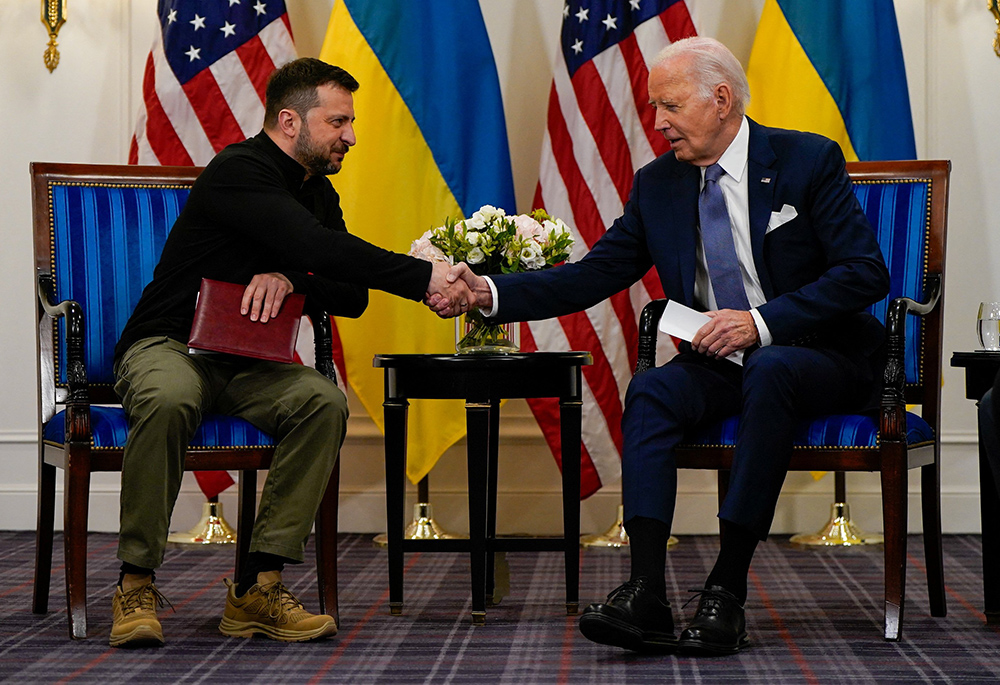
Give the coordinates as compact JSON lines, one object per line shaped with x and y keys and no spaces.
{"x":197,"y":33}
{"x":590,"y":27}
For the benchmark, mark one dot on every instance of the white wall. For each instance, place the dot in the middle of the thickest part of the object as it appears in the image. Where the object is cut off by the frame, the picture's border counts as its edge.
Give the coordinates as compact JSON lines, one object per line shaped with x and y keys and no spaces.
{"x":83,"y":112}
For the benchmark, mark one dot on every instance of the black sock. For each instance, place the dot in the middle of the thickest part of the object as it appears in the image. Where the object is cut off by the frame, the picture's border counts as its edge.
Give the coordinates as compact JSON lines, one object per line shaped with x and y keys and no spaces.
{"x":258,"y":562}
{"x":733,"y":565}
{"x":132,"y":569}
{"x":647,"y":539}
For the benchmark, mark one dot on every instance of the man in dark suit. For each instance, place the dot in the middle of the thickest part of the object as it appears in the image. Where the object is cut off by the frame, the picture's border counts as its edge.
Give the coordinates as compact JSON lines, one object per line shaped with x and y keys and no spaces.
{"x":759,"y":228}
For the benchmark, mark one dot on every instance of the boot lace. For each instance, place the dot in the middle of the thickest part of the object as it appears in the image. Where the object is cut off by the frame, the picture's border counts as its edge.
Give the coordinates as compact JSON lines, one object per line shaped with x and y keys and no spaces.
{"x":280,"y":601}
{"x":145,"y":598}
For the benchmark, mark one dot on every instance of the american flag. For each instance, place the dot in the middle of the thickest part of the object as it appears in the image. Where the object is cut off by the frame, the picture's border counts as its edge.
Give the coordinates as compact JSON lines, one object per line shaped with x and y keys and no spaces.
{"x":599,"y":132}
{"x":204,"y":80}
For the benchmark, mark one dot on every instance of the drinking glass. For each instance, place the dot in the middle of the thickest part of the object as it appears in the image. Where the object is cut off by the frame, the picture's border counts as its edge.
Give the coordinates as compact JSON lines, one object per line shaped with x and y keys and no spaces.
{"x":988,"y":326}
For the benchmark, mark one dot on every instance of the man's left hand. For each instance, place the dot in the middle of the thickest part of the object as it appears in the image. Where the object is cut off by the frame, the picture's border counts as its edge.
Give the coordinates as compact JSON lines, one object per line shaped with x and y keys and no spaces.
{"x":728,"y":331}
{"x":263,"y":297}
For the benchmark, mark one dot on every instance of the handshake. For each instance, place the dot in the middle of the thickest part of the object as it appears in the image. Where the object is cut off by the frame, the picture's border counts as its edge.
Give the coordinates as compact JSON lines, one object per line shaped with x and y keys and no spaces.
{"x":455,"y":290}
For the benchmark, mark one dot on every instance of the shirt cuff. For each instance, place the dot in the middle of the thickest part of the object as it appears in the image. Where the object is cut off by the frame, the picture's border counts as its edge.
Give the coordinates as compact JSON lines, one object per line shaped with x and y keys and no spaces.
{"x":765,"y":335}
{"x":496,"y":304}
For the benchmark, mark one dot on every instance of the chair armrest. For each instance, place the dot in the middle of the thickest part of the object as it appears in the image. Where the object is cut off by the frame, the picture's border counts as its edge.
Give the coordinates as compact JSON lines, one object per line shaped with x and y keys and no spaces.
{"x":649,"y":319}
{"x":323,"y":337}
{"x":75,"y":326}
{"x":892,"y":423}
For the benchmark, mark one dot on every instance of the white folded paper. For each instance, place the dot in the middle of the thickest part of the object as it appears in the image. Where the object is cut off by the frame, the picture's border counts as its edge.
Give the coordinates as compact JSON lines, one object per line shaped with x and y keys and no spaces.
{"x":683,"y":322}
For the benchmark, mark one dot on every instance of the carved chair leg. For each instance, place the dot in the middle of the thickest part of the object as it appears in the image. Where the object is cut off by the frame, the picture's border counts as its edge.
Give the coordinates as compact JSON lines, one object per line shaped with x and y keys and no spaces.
{"x":930,"y":495}
{"x":246,"y":513}
{"x":894,"y":508}
{"x":75,"y":511}
{"x":43,"y":536}
{"x":326,"y":547}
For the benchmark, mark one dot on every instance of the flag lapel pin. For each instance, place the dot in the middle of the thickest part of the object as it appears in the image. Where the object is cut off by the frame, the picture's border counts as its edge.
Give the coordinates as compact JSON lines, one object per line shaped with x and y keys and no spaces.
{"x":766,"y":179}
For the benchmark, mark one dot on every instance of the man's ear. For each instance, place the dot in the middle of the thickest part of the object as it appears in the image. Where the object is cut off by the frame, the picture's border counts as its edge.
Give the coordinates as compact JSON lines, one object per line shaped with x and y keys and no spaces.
{"x":289,"y":122}
{"x":723,"y":100}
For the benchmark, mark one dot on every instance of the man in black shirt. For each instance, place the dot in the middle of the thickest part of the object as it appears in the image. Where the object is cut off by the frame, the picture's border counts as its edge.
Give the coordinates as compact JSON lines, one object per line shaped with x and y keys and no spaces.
{"x":262,"y":213}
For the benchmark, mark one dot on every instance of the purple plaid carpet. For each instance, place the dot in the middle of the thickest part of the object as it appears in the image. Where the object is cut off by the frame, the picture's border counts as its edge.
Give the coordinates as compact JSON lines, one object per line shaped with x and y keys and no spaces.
{"x":814,"y":616}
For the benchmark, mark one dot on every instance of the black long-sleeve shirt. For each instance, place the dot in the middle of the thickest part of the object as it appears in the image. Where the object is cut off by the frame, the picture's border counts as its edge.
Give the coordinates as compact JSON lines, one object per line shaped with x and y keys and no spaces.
{"x":248,"y":213}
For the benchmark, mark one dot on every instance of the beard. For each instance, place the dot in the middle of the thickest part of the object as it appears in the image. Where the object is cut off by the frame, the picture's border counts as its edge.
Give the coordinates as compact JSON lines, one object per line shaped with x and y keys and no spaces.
{"x":316,"y":160}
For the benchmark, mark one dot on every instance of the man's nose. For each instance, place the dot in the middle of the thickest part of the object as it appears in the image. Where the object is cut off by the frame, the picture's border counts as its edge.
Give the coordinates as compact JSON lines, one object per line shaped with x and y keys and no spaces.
{"x":349,"y":136}
{"x":662,"y":121}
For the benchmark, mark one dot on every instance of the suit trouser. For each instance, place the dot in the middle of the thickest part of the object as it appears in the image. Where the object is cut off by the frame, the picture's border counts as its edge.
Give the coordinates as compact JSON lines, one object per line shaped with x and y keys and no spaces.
{"x":165,"y":391}
{"x":777,"y":386}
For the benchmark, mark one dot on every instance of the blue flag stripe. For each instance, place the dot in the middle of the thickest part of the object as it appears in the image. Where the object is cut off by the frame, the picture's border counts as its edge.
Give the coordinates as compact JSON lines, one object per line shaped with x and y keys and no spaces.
{"x":437,"y":54}
{"x":855,"y":48}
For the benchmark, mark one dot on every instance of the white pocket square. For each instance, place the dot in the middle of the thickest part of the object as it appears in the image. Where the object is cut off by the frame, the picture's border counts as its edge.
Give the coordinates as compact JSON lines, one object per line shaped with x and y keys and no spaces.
{"x":786,"y":214}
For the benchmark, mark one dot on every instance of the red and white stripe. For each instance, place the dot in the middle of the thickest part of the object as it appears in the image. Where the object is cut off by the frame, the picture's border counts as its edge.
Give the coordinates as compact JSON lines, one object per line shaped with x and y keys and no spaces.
{"x":224,"y":104}
{"x":599,"y":133}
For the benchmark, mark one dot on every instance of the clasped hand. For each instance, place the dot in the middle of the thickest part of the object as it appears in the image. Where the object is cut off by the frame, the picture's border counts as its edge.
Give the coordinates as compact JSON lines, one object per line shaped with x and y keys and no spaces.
{"x":448,"y":296}
{"x":728,"y":331}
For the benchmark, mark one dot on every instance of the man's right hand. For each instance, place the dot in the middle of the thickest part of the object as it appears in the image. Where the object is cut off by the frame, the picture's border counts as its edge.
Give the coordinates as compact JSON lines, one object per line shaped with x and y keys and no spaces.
{"x":477,"y":284}
{"x":446,"y":296}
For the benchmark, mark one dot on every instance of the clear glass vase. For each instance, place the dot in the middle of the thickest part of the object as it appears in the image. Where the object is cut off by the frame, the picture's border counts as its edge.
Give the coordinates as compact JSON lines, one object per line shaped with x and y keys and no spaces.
{"x":474,"y":336}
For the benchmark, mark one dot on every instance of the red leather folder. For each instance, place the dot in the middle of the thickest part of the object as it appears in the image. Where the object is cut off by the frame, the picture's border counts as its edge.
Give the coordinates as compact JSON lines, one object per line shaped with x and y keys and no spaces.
{"x":219,"y":327}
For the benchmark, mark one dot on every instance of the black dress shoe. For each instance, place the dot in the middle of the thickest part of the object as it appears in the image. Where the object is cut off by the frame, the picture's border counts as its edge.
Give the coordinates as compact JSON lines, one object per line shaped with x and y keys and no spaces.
{"x":719,"y":624}
{"x":632,"y":618}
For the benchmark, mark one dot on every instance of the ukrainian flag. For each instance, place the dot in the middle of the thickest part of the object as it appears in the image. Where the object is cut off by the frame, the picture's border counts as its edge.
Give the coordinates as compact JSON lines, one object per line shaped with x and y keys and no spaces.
{"x":836,"y":68}
{"x":432,"y":143}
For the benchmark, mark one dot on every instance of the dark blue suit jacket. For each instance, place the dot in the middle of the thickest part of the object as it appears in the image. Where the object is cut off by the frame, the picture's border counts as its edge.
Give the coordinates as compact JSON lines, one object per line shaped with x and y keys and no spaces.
{"x":818,"y":271}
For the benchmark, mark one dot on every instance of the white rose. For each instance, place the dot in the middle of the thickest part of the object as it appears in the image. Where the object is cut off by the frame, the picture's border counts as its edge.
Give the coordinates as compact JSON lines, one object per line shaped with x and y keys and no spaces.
{"x":472,"y":237}
{"x":476,"y":223}
{"x":488,"y":213}
{"x":475,"y":256}
{"x":531,"y":256}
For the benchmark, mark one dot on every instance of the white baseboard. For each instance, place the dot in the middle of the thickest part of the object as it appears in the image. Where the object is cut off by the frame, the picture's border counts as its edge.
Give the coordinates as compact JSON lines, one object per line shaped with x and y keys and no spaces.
{"x":534,"y":508}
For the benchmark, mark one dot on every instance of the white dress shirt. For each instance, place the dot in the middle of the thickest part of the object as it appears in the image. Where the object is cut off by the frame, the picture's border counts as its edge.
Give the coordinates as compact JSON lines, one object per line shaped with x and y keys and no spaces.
{"x":735,"y":190}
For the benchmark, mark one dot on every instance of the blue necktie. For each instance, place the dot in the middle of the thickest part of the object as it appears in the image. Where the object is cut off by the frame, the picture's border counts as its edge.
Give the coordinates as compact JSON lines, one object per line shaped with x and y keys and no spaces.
{"x":720,"y":252}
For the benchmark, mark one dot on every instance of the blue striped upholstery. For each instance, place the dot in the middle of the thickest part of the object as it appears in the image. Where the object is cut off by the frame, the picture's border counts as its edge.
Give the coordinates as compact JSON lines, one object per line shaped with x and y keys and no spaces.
{"x":106,"y":241}
{"x":835,"y":431}
{"x":890,"y":206}
{"x":110,"y":429}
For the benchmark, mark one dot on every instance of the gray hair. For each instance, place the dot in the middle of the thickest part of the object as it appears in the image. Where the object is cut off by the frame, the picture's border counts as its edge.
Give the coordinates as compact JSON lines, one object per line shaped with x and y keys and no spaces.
{"x":712,"y":64}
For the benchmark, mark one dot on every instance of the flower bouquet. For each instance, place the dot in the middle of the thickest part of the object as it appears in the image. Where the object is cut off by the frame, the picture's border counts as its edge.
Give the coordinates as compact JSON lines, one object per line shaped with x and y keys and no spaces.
{"x":491,"y":242}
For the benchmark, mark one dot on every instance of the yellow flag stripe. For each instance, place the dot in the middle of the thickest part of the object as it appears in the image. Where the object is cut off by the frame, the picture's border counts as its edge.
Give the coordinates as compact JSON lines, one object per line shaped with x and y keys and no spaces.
{"x":785,"y":90}
{"x":391,"y":191}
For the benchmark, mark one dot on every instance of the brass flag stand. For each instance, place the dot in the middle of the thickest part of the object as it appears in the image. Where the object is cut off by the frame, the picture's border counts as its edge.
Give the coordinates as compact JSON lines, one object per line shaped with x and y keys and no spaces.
{"x":423,"y":526}
{"x":614,"y":537}
{"x":212,"y":529}
{"x":839,"y":531}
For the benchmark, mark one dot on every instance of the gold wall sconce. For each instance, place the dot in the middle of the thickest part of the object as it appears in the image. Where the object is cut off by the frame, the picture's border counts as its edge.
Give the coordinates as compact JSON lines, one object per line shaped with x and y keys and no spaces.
{"x":991,"y":5}
{"x":53,"y":16}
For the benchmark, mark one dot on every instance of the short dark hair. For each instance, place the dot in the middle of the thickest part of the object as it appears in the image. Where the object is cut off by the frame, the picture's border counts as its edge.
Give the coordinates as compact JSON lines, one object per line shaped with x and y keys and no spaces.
{"x":294,"y":85}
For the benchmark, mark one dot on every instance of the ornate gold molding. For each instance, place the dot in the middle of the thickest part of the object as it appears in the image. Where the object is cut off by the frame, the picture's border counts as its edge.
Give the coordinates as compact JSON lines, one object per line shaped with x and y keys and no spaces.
{"x":53,"y":16}
{"x":991,"y":5}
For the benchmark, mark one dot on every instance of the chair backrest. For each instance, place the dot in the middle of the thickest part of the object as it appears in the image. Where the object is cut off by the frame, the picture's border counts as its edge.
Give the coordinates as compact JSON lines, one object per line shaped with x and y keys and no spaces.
{"x":99,"y":232}
{"x":906,"y":203}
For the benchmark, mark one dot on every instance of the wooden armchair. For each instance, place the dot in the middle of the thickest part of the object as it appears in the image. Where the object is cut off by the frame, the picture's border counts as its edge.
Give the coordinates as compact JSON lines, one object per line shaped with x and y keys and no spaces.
{"x":907,"y":205}
{"x":99,"y":231}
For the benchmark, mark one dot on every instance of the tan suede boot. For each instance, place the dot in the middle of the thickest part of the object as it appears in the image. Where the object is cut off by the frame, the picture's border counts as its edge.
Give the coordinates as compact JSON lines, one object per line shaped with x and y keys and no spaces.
{"x":269,"y":608}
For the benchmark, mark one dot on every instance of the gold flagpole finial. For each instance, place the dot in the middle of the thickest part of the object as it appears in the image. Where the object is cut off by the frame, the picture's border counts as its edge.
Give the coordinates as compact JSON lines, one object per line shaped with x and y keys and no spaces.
{"x":53,"y":16}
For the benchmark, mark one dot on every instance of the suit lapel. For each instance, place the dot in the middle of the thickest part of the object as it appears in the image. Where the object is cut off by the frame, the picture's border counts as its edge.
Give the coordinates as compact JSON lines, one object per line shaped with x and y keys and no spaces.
{"x":684,"y":215}
{"x":761,"y":180}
